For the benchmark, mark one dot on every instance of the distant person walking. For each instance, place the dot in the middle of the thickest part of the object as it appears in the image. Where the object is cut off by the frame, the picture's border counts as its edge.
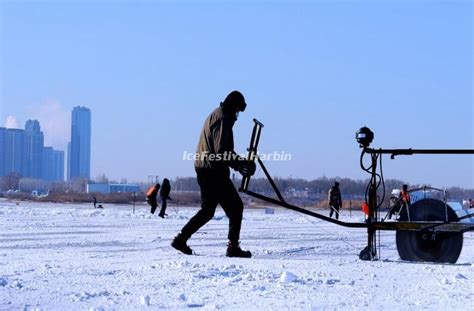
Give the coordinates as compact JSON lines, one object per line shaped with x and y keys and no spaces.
{"x":165,"y":196}
{"x":335,"y":200}
{"x":151,"y":197}
{"x":95,"y":201}
{"x":215,"y":156}
{"x":405,"y":200}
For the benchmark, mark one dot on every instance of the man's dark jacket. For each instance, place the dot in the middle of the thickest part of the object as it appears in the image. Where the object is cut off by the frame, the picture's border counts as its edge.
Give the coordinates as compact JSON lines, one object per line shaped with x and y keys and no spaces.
{"x":217,"y":139}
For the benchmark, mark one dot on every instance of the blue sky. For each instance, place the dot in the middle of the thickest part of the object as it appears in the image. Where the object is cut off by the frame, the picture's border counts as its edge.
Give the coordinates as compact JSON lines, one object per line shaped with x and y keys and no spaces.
{"x":312,"y":72}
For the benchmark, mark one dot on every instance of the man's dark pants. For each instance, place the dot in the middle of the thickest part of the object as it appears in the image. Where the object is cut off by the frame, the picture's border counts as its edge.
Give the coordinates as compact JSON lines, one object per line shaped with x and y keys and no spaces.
{"x":163,"y":206}
{"x":335,"y":209}
{"x":216,"y":188}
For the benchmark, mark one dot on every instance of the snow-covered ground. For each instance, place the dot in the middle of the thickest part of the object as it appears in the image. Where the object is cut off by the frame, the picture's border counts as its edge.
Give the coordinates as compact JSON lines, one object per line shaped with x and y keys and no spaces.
{"x":72,"y":257}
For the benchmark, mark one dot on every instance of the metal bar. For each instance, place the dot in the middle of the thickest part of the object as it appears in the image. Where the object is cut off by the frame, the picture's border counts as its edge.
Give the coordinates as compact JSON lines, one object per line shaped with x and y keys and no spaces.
{"x":423,"y":225}
{"x":252,"y":150}
{"x":371,"y":236}
{"x":446,"y":222}
{"x":270,"y":179}
{"x":395,"y":152}
{"x":305,"y":211}
{"x":386,"y":226}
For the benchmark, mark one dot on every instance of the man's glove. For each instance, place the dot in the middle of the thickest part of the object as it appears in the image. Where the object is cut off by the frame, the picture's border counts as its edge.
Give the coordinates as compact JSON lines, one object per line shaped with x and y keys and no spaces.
{"x":246,"y":168}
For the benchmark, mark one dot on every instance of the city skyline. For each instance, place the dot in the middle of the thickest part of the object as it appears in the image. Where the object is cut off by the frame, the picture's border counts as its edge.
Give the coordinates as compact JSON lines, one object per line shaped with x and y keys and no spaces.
{"x":22,"y":151}
{"x":312,"y":72}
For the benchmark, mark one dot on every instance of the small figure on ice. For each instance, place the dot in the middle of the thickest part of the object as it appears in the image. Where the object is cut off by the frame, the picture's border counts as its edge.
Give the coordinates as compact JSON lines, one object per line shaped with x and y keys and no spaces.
{"x":405,"y":200}
{"x":165,"y":196}
{"x":95,"y":202}
{"x":151,"y":197}
{"x":216,"y":156}
{"x":335,"y":200}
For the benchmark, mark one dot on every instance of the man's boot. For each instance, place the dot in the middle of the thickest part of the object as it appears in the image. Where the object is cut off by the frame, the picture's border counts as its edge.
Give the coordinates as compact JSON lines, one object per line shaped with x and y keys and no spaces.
{"x":179,"y":243}
{"x":234,"y":250}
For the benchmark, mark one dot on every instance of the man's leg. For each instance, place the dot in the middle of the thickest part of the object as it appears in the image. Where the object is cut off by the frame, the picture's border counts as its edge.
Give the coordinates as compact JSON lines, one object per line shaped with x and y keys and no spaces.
{"x":337,"y":207}
{"x":163,"y":207}
{"x":233,"y":208}
{"x":332,"y":210}
{"x":209,"y":201}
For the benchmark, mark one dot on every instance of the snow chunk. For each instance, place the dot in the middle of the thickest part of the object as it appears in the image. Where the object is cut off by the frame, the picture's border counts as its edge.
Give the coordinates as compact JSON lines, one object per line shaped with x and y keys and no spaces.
{"x":459,"y":276}
{"x":331,"y":281}
{"x":287,"y":277}
{"x":183,"y":297}
{"x":145,"y":300}
{"x":17,"y":285}
{"x":3,"y":282}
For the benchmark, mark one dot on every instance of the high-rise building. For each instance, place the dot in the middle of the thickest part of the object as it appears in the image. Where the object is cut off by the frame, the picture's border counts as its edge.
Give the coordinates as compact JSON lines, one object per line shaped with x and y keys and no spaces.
{"x":58,"y":165}
{"x":14,"y":152}
{"x":80,"y":151}
{"x":68,"y":161}
{"x":3,"y":150}
{"x":34,"y":143}
{"x":48,"y":163}
{"x":23,"y":152}
{"x":53,"y":164}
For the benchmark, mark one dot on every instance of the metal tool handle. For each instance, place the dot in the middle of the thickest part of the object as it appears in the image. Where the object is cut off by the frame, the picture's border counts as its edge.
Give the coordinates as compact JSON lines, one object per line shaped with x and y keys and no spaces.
{"x":252,"y":150}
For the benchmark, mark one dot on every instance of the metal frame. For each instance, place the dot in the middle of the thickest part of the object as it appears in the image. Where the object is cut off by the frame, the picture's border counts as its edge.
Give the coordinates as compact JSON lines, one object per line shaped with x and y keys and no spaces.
{"x":372,"y":223}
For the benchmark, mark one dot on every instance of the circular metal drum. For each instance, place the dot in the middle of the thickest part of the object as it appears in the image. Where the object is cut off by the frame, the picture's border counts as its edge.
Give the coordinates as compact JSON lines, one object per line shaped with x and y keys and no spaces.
{"x":429,"y":245}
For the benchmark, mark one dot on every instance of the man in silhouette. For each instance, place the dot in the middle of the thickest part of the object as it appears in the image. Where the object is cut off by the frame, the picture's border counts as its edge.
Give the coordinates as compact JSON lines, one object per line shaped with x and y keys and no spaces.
{"x":165,"y":196}
{"x":215,"y":155}
{"x":335,"y":200}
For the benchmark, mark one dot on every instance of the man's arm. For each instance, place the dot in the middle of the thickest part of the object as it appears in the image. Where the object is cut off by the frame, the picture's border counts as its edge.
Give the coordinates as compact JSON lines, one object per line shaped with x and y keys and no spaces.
{"x":224,"y":143}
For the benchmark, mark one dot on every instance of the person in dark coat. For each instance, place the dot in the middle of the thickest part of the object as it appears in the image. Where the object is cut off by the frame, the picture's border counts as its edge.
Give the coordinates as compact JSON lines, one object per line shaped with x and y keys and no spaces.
{"x":165,"y":196}
{"x":335,"y":200}
{"x":95,"y":201}
{"x":215,"y":157}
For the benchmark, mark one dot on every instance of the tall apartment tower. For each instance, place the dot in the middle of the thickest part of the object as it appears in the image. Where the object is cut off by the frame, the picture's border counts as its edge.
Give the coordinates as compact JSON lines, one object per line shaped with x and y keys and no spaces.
{"x":13,"y":151}
{"x":53,"y":164}
{"x":3,"y":151}
{"x":34,"y":143}
{"x":80,"y":150}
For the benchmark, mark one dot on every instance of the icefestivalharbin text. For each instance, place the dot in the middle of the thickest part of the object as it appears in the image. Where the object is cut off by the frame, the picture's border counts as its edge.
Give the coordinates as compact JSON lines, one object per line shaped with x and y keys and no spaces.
{"x":229,"y":156}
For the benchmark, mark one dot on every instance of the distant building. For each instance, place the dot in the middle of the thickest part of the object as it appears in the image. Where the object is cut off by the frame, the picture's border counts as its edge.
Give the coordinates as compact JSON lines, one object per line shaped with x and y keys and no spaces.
{"x":34,"y":143}
{"x":23,"y":152}
{"x":14,"y":150}
{"x":3,"y":150}
{"x":68,"y":177}
{"x":80,"y":149}
{"x":58,"y":165}
{"x":53,"y":164}
{"x":112,"y":188}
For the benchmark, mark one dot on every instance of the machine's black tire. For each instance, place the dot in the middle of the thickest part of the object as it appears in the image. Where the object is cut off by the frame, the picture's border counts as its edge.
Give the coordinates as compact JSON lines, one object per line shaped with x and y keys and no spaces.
{"x":427,"y":245}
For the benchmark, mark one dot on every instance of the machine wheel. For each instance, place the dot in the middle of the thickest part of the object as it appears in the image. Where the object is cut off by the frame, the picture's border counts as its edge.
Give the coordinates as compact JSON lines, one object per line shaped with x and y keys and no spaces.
{"x":428,"y":245}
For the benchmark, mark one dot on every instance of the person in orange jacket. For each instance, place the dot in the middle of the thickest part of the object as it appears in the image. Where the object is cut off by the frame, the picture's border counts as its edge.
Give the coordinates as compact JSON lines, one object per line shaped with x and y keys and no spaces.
{"x":151,"y":197}
{"x":405,"y":199}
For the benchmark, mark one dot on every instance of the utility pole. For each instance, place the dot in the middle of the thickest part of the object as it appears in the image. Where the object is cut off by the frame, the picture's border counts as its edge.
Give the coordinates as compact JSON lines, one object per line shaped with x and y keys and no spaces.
{"x":134,"y":197}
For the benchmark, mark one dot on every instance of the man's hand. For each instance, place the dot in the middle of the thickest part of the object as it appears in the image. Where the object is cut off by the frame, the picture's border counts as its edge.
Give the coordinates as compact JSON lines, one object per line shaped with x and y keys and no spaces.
{"x":247,"y":168}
